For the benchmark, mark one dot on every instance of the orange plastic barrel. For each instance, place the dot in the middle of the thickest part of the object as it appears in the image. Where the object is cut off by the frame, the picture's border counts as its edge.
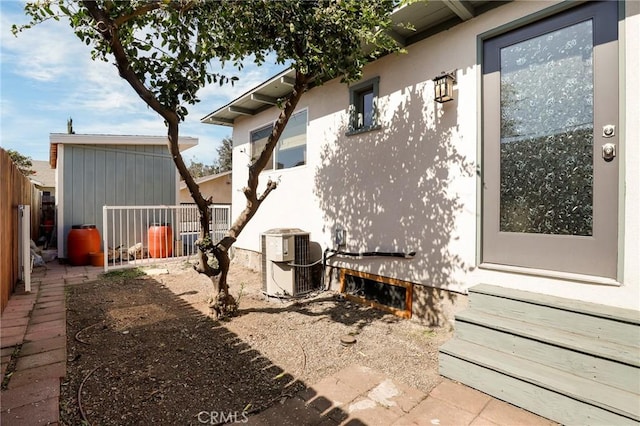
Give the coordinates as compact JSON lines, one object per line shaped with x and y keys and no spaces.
{"x":96,"y":258}
{"x":82,"y":240}
{"x":160,"y":238}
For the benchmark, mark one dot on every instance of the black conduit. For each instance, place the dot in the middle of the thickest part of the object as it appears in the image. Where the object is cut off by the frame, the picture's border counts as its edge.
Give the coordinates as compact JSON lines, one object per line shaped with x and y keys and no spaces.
{"x":334,"y":252}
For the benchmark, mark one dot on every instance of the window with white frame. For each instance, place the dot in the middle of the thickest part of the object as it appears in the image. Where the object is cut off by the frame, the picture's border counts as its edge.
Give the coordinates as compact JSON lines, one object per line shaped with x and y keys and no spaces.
{"x":363,"y":106}
{"x":291,"y":150}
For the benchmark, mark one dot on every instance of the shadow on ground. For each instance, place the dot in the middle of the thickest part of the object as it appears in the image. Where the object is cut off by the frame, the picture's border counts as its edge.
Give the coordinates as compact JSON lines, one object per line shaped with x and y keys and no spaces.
{"x":138,"y":354}
{"x":353,"y":315}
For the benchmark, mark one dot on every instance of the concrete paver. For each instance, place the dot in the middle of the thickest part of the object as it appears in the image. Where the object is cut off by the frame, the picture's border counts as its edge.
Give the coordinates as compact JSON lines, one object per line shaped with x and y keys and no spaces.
{"x":461,"y":396}
{"x":370,"y":412}
{"x":41,"y":359}
{"x":32,"y":375}
{"x":12,"y":331}
{"x":433,"y":411}
{"x":395,"y":396}
{"x":45,"y":334}
{"x":36,"y":319}
{"x":31,"y":393}
{"x":358,"y":395}
{"x":11,"y":341}
{"x":44,"y":412}
{"x":481,"y":421}
{"x":336,"y":391}
{"x":30,"y":348}
{"x":14,"y":322}
{"x":499,"y":412}
{"x":53,"y":326}
{"x":47,"y":311}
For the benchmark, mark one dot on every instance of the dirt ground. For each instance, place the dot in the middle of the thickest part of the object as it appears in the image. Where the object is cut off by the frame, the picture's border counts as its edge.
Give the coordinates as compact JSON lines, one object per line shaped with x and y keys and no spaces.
{"x":142,"y":349}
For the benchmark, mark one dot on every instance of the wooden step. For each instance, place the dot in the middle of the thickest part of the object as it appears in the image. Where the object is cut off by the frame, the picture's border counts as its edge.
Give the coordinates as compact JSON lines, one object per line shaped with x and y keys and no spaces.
{"x":550,"y":392}
{"x":551,"y":336}
{"x":588,"y":366}
{"x":603,"y":323}
{"x":594,"y":309}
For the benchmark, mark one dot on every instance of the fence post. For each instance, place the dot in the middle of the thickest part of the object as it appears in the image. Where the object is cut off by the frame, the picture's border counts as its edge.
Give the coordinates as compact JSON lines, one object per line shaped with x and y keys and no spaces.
{"x":24,"y":219}
{"x":105,"y":235}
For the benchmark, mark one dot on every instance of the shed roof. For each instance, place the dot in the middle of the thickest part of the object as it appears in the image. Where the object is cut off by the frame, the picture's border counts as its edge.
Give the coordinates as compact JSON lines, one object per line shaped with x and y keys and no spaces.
{"x":426,"y":18}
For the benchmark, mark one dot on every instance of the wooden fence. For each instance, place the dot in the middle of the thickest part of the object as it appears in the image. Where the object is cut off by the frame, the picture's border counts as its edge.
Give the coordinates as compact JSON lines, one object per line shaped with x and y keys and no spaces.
{"x":15,"y":189}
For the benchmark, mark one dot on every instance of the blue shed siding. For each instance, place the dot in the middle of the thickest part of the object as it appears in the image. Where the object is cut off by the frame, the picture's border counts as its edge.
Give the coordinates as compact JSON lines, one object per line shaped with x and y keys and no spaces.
{"x":124,"y":175}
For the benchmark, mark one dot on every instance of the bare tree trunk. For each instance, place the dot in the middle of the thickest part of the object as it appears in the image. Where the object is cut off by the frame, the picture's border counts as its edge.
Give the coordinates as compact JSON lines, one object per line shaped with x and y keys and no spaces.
{"x":224,"y":303}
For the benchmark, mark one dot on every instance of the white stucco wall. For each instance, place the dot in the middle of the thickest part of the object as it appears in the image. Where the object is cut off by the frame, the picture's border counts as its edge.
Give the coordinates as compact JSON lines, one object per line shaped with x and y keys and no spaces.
{"x":413,"y":184}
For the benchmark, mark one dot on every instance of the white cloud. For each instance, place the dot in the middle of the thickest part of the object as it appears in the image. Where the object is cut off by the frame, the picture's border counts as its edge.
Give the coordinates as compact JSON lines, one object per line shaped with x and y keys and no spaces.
{"x":102,"y":90}
{"x":44,"y":52}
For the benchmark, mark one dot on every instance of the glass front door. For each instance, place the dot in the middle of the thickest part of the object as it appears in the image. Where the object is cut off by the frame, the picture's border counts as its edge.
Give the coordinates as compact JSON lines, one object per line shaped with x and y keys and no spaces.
{"x":550,"y":193}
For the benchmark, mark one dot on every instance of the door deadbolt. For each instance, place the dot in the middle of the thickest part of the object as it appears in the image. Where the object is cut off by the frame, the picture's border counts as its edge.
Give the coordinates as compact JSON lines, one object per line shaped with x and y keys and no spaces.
{"x":608,"y":151}
{"x":608,"y":131}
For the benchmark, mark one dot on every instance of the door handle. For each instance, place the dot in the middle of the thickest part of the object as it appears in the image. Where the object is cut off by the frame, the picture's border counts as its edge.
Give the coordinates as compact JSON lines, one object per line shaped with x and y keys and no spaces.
{"x":609,"y":151}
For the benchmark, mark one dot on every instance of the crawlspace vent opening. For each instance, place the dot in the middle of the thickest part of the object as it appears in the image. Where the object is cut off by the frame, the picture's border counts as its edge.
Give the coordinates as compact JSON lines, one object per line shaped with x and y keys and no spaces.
{"x":380,"y":292}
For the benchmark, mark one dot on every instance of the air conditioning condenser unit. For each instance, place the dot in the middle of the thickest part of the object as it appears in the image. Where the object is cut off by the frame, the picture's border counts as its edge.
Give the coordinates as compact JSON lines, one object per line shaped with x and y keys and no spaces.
{"x":285,"y":256}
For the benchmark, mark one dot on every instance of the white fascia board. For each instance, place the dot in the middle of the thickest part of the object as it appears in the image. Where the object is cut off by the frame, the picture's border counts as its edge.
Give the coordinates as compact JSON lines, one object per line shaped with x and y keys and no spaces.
{"x":185,"y":142}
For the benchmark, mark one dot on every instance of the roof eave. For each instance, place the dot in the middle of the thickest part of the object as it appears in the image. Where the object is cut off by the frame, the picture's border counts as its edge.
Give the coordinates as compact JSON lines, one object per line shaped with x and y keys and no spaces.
{"x":435,"y":17}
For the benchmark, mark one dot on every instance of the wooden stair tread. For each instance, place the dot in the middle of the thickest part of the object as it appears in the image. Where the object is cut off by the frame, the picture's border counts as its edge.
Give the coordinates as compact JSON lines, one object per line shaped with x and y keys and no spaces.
{"x":586,"y":391}
{"x":608,"y":312}
{"x":577,"y":342}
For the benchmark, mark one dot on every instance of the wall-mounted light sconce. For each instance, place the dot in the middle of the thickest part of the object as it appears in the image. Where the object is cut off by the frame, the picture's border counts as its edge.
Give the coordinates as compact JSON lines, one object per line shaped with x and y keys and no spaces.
{"x":443,"y":87}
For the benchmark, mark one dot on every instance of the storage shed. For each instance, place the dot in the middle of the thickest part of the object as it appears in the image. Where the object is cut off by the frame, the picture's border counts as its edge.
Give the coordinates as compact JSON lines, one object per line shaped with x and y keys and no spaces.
{"x":114,"y":170}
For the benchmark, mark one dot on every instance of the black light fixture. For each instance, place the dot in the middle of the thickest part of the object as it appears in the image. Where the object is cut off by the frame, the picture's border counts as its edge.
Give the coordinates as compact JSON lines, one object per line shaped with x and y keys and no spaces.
{"x":443,"y":87}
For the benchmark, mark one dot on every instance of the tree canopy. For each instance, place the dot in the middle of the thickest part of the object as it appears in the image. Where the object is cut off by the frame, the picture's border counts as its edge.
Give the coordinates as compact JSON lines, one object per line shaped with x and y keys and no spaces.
{"x":165,"y":50}
{"x":223,"y":163}
{"x":198,"y":169}
{"x":225,"y":154}
{"x":22,"y":162}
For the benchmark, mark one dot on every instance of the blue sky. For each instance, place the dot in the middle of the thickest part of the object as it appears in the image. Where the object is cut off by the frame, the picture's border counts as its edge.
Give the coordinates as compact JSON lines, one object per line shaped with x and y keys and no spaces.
{"x":47,"y":77}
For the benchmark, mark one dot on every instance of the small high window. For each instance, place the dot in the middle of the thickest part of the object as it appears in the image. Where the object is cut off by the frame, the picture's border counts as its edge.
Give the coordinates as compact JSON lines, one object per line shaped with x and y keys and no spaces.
{"x":363,"y":106}
{"x":291,"y":150}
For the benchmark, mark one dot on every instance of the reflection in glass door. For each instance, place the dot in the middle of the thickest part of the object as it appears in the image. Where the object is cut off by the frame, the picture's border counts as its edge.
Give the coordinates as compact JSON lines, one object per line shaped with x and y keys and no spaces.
{"x":549,"y":198}
{"x":546,"y":133}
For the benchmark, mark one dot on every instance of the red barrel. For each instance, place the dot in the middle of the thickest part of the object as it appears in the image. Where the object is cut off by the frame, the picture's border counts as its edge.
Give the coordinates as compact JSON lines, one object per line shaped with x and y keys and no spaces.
{"x":96,"y":258}
{"x":82,"y":240}
{"x":160,"y":238}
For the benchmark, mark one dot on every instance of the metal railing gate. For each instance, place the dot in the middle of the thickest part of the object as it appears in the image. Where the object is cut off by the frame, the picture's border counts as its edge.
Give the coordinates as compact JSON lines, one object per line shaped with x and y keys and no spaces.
{"x":137,"y":235}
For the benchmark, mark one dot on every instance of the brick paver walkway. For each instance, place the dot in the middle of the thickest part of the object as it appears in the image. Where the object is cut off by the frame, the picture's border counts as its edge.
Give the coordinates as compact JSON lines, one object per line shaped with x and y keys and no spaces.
{"x":33,"y":340}
{"x":358,"y":395}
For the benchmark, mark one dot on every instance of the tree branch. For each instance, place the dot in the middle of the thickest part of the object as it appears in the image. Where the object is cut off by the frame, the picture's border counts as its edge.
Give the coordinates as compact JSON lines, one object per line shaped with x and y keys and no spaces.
{"x":109,"y":32}
{"x":152,"y":5}
{"x":271,"y":185}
